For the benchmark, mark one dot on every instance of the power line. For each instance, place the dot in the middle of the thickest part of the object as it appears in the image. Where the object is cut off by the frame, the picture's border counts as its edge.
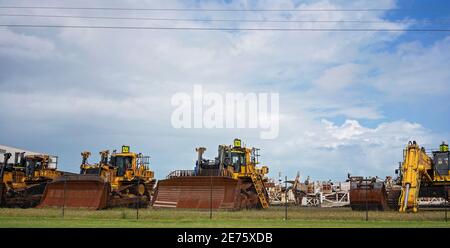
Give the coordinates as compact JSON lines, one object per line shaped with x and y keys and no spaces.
{"x":201,"y":10}
{"x":227,"y":29}
{"x":220,"y":20}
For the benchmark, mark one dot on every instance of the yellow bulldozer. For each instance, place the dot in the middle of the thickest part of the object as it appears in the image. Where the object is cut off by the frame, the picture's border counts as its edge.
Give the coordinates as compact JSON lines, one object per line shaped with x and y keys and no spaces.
{"x":230,"y":181}
{"x":23,"y":182}
{"x":120,"y":179}
{"x":420,"y":176}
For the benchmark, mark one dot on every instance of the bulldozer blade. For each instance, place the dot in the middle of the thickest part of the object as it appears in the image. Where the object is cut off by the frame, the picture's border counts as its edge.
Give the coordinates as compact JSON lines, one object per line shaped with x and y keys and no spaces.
{"x":372,"y":199}
{"x":198,"y":192}
{"x":80,"y":191}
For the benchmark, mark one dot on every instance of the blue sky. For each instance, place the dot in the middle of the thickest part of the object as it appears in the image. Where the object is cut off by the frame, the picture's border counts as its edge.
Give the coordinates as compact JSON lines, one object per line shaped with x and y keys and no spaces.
{"x":349,"y":101}
{"x":433,"y":110}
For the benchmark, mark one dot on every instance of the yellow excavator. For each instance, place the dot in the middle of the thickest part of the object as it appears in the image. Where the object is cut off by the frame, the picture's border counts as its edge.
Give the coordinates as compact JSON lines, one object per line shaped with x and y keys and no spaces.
{"x":422,"y":175}
{"x":230,"y":181}
{"x":419,"y":176}
{"x":119,"y":179}
{"x":23,"y":182}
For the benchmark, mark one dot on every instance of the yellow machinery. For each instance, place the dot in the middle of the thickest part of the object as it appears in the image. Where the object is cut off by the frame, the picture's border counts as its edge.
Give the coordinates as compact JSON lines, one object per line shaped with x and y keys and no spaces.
{"x":230,"y":181}
{"x":421,"y":174}
{"x":119,"y":179}
{"x":23,"y":182}
{"x":122,"y":170}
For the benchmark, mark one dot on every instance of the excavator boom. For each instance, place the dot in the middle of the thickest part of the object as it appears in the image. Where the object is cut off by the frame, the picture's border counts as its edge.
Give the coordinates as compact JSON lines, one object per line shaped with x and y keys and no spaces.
{"x":414,"y":170}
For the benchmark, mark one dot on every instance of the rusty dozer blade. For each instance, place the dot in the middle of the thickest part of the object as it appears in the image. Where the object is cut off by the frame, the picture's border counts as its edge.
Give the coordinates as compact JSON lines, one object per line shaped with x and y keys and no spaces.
{"x":77,"y":191}
{"x":368,"y":195}
{"x":198,"y":192}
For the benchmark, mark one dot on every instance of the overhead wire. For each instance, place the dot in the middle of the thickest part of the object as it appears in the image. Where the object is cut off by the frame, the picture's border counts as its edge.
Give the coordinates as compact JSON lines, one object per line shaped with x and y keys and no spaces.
{"x":346,"y":29}
{"x":220,"y":20}
{"x":202,"y":9}
{"x":226,"y":29}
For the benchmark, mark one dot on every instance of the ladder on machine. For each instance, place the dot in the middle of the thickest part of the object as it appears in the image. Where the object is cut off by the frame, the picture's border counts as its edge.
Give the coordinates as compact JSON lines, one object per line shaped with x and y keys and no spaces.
{"x":260,"y":190}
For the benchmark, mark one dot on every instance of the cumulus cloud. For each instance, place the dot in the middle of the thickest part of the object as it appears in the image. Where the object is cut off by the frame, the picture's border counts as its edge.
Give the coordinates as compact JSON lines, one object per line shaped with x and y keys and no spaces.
{"x":326,"y":149}
{"x":413,"y":68}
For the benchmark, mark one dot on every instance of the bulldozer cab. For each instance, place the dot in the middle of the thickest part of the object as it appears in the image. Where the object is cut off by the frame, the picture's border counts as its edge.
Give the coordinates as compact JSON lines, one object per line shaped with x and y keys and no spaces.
{"x":244,"y":160}
{"x":237,"y":160}
{"x":125,"y":164}
{"x":122,"y":163}
{"x":230,"y":160}
{"x":237,"y":157}
{"x":31,"y":165}
{"x":26,"y":170}
{"x":35,"y":163}
{"x":129,"y":164}
{"x":441,"y":165}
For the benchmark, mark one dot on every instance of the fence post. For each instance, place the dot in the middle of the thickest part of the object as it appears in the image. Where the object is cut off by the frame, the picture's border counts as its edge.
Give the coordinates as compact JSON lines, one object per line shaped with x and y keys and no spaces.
{"x":210,"y":197}
{"x":367,"y":204}
{"x":138,"y":198}
{"x":285,"y":199}
{"x":446,"y":200}
{"x":64,"y":196}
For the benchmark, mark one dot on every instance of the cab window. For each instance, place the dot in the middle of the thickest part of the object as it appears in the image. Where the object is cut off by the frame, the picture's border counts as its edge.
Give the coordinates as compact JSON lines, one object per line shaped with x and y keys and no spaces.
{"x":31,"y":166}
{"x":237,"y":160}
{"x":122,"y":164}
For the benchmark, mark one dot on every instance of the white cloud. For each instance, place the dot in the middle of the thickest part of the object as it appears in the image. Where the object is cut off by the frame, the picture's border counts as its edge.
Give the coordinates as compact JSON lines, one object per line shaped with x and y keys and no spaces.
{"x":326,"y":134}
{"x":22,"y":45}
{"x":338,"y":77}
{"x":413,"y":69}
{"x":324,"y":149}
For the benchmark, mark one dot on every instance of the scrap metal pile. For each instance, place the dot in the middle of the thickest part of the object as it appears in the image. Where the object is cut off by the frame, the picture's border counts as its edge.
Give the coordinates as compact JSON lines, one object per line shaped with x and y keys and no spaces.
{"x":309,"y":193}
